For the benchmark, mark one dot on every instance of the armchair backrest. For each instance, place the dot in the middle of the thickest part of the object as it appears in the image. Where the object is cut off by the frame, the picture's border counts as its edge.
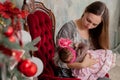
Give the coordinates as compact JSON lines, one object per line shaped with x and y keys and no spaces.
{"x":31,"y":6}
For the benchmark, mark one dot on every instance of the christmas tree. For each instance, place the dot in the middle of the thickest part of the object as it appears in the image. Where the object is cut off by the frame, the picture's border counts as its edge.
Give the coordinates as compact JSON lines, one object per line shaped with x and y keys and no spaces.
{"x":14,"y":53}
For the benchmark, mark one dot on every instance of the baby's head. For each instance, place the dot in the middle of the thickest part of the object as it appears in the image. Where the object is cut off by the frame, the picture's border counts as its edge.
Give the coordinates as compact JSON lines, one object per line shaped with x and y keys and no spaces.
{"x":66,"y":52}
{"x":65,"y":55}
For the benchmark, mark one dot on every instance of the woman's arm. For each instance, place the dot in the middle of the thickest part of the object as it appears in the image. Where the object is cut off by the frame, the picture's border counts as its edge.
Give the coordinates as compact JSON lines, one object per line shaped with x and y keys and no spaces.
{"x":76,"y":65}
{"x":87,"y":62}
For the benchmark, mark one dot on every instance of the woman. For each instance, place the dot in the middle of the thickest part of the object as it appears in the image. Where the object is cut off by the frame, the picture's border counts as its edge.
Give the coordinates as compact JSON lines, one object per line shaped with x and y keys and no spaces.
{"x":91,"y":28}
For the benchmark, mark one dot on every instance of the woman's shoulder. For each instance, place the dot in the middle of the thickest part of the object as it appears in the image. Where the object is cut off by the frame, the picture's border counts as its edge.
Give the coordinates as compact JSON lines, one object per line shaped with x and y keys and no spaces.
{"x":71,"y":22}
{"x":70,"y":25}
{"x":68,"y":30}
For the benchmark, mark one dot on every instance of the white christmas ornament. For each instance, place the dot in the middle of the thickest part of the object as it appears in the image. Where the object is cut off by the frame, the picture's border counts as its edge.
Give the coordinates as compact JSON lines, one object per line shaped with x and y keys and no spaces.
{"x":39,"y":64}
{"x":25,"y":36}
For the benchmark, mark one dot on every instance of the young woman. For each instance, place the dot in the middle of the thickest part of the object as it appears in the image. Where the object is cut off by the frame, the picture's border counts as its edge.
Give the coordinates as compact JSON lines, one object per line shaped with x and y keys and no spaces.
{"x":91,"y":28}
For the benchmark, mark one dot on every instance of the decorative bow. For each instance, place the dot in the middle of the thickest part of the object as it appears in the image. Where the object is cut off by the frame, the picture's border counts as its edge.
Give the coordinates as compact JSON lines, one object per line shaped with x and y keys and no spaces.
{"x":64,"y":42}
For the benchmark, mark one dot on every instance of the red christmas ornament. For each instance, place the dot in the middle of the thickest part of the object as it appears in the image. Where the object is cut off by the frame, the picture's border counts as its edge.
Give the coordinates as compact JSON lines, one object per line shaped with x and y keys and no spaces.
{"x":12,"y":38}
{"x":27,"y":67}
{"x":8,"y":31}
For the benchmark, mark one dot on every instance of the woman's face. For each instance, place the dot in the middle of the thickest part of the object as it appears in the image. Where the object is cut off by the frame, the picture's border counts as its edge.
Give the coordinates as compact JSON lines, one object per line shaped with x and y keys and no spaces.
{"x":90,"y":20}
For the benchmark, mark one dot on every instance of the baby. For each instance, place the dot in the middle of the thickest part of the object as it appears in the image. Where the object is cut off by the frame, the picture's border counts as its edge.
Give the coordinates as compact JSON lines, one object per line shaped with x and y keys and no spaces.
{"x":105,"y":58}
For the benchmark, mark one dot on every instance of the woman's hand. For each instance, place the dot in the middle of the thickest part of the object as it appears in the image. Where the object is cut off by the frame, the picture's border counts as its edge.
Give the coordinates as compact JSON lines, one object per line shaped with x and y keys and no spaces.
{"x":88,"y":61}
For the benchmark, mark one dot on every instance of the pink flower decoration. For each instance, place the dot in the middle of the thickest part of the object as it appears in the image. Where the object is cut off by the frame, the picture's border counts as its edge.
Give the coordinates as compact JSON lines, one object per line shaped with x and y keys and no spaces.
{"x":64,"y":42}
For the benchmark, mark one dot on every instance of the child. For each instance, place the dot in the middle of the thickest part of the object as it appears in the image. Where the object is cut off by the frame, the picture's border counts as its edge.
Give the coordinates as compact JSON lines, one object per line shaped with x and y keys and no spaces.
{"x":69,"y":55}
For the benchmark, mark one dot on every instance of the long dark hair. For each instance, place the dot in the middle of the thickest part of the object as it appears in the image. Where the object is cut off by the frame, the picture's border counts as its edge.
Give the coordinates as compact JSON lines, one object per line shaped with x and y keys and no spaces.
{"x":100,"y":34}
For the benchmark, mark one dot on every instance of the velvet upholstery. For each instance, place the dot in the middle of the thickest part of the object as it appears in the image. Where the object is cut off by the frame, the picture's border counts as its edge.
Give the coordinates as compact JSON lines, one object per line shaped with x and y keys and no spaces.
{"x":40,"y":24}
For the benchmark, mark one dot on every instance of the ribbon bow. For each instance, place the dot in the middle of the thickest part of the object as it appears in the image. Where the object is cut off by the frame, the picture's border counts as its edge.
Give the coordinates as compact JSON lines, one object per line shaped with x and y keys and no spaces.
{"x":64,"y":42}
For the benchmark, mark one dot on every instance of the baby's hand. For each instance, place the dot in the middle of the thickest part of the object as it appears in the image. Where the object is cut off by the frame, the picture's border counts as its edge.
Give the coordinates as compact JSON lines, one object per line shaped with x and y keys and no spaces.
{"x":88,"y":61}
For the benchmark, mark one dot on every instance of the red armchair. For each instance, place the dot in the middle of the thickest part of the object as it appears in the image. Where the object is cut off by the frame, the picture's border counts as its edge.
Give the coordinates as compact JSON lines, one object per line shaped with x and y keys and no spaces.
{"x":41,"y":22}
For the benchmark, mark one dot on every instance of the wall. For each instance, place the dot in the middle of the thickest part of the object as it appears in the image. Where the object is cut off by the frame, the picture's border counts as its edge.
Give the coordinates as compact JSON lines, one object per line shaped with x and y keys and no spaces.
{"x":66,"y":10}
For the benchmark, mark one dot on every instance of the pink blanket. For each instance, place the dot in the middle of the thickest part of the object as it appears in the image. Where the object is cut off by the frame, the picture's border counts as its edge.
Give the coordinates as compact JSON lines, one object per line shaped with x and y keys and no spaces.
{"x":106,"y":59}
